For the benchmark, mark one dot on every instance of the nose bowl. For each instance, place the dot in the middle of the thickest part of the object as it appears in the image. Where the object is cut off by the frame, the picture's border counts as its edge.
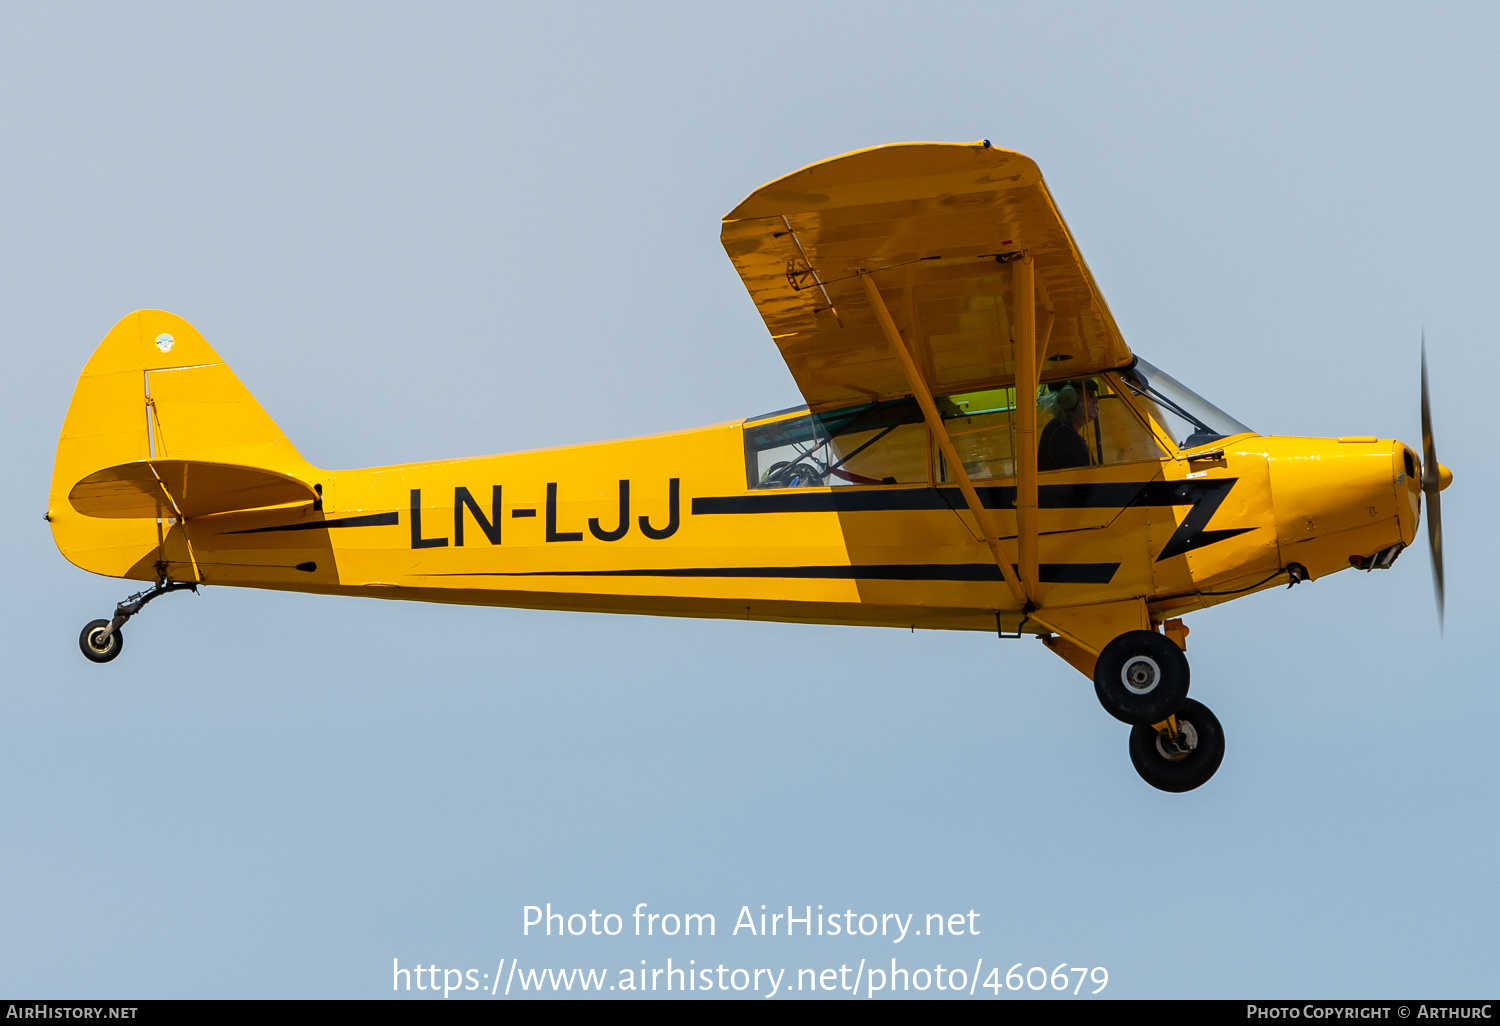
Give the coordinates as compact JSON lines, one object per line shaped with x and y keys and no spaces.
{"x":1337,"y":498}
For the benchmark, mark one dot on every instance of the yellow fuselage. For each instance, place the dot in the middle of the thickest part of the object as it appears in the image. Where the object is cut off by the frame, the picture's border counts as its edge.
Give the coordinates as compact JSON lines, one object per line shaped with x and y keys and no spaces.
{"x":668,"y":525}
{"x":672,"y":524}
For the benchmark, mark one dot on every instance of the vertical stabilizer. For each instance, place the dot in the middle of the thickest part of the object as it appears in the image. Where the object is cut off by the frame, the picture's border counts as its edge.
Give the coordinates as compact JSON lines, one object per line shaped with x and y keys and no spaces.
{"x":153,"y":390}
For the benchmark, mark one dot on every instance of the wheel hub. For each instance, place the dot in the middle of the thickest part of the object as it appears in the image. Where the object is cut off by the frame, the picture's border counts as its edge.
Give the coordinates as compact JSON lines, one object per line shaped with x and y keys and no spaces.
{"x":1178,"y":748}
{"x":1140,"y":675}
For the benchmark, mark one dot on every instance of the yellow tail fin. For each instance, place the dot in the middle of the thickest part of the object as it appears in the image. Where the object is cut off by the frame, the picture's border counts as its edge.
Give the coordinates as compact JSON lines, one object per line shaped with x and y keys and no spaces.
{"x":155,"y":393}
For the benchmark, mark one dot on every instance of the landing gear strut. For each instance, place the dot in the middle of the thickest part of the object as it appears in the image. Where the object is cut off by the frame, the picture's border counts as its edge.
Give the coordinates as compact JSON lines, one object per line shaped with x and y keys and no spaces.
{"x":1180,"y":753}
{"x":102,"y":640}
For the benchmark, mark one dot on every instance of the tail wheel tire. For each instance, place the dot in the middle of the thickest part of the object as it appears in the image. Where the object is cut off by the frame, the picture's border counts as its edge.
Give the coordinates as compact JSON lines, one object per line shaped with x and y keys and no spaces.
{"x":1187,"y":763}
{"x":95,"y":649}
{"x":1141,"y":678}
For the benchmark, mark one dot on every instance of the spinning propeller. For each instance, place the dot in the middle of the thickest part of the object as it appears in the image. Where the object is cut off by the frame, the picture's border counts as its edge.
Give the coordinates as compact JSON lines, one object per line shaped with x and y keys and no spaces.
{"x":1433,"y":481}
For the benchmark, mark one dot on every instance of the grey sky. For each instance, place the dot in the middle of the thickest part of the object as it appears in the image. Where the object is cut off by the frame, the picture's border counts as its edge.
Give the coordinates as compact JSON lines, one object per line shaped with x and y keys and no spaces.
{"x":419,"y":232}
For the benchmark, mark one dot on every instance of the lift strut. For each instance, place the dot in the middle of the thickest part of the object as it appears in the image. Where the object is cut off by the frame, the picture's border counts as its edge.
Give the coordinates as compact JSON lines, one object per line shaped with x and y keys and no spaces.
{"x":923,"y":394}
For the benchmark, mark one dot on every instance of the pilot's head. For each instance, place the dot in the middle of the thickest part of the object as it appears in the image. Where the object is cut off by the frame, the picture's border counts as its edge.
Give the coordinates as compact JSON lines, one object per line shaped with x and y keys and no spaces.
{"x":1076,"y":400}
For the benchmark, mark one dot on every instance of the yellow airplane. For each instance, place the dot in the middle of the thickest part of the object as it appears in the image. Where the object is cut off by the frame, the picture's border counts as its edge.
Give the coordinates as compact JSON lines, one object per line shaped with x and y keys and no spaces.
{"x":980,"y":451}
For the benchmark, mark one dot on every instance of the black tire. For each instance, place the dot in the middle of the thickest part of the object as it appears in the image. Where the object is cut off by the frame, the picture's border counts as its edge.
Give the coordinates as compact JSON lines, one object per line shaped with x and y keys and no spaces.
{"x":94,"y":653}
{"x":1176,"y":771}
{"x":1141,"y":678}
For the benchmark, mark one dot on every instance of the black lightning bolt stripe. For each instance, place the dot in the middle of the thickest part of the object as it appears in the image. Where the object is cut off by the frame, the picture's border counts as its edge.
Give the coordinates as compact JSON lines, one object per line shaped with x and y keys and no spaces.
{"x":1051,"y":573}
{"x":1204,"y":495}
{"x":369,"y":520}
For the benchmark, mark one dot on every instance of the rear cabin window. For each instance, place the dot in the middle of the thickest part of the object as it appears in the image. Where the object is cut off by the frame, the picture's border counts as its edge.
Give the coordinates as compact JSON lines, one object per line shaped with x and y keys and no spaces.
{"x":982,"y":427}
{"x":872,"y":444}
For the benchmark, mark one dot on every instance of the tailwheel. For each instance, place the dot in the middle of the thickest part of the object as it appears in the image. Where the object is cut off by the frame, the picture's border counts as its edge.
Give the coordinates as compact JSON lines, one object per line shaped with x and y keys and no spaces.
{"x":99,"y":643}
{"x":1141,"y":678}
{"x":1181,"y":753}
{"x":101,"y":640}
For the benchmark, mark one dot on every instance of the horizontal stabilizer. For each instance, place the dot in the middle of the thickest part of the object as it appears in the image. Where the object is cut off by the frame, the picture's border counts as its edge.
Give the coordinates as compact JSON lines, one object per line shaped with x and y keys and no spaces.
{"x":184,"y":488}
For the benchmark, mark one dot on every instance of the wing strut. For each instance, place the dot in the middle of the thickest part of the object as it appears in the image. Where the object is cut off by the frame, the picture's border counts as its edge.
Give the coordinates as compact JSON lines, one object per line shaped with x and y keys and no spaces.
{"x":923,"y":395}
{"x":1023,"y":292}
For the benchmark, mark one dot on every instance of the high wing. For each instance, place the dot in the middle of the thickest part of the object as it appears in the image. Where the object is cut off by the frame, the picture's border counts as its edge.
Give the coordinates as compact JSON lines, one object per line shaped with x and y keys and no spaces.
{"x":932,"y":225}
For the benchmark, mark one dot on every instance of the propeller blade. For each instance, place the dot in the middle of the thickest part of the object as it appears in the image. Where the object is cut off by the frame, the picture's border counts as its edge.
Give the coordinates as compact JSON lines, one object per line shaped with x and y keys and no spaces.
{"x":1431,"y":485}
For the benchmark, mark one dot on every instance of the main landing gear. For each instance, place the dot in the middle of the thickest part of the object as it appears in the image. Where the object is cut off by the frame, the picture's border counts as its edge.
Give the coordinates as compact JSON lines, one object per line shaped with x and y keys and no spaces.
{"x":1141,"y":679}
{"x":1181,"y":753}
{"x":102,"y":640}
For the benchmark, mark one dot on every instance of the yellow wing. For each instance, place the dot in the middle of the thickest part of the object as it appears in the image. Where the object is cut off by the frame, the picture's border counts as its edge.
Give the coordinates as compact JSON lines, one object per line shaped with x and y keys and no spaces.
{"x":934,"y":223}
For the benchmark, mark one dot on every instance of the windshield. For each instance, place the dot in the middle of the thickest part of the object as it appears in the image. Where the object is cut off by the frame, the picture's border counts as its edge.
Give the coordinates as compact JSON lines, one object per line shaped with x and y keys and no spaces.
{"x":1190,"y":419}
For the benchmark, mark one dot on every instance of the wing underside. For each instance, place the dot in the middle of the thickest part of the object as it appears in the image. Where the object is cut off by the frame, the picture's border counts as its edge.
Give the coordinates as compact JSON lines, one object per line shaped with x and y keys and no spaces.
{"x":933,"y":225}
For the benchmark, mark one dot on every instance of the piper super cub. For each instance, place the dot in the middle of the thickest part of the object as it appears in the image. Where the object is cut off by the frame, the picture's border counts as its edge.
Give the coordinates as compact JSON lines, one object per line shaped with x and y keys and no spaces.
{"x":980,"y":450}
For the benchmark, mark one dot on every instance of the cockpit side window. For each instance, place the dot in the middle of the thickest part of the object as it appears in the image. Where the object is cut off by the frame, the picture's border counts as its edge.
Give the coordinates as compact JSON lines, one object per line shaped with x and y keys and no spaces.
{"x":1080,"y":423}
{"x":871,"y":444}
{"x":1089,"y":411}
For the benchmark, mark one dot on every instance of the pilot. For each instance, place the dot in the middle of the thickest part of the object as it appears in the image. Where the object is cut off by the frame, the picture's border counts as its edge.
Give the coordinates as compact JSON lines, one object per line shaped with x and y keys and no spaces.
{"x":1062,"y":444}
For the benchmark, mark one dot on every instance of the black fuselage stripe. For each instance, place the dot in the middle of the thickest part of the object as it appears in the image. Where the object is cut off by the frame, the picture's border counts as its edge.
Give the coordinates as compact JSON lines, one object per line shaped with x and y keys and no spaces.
{"x":1204,"y":495}
{"x":370,"y":520}
{"x":1095,"y":495}
{"x":1050,"y":573}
